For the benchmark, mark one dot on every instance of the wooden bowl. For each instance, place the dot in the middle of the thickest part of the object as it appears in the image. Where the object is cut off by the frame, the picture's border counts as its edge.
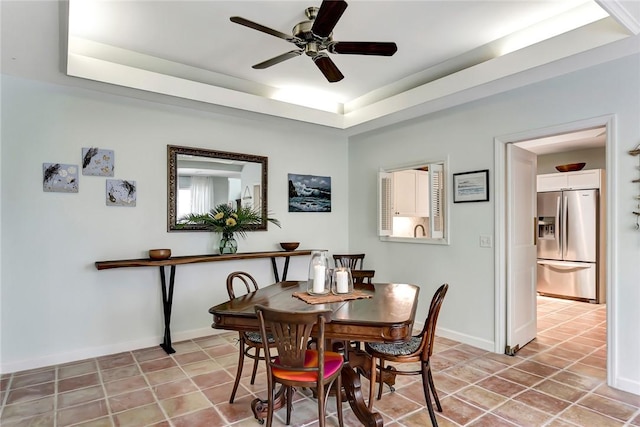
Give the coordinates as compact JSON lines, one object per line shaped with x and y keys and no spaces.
{"x":159,"y":253}
{"x":289,"y":246}
{"x":571,"y":167}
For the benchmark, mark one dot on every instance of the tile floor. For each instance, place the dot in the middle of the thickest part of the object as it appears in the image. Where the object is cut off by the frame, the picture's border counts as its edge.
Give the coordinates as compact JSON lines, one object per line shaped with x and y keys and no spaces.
{"x":557,"y":380}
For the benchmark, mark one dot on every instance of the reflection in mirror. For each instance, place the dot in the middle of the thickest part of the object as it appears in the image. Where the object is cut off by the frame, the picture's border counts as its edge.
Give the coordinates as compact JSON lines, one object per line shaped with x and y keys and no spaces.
{"x":412,"y":203}
{"x":200,"y":179}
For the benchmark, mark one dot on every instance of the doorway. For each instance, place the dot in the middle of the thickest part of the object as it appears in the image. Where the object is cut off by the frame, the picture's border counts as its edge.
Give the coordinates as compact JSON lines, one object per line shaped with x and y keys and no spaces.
{"x":502,"y":176}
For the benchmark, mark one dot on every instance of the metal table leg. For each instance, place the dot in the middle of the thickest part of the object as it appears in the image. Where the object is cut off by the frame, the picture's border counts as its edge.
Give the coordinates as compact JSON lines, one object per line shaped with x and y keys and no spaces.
{"x":167,"y":301}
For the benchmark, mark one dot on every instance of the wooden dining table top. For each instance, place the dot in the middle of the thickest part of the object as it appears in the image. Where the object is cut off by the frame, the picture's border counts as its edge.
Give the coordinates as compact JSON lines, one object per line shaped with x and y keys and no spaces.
{"x":386,"y":316}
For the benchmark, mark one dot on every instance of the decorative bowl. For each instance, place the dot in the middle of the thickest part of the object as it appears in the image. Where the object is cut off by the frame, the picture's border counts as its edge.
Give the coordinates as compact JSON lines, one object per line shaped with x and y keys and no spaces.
{"x":289,"y":246}
{"x":571,"y":167}
{"x":159,"y":253}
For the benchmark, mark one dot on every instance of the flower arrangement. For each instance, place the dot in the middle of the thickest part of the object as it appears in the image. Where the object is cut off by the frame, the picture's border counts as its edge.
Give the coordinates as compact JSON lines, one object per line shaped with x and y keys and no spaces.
{"x":228,"y":221}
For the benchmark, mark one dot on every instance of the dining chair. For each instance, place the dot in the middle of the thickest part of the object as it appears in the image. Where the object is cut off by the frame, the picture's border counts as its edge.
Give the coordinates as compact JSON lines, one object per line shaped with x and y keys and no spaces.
{"x":417,"y":349}
{"x":250,"y":342}
{"x":349,"y":260}
{"x":362,"y":277}
{"x":296,"y":365}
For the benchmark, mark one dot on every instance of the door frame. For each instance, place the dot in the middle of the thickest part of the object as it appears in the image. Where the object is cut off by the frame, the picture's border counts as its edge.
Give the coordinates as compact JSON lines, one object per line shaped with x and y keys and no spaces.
{"x":501,"y":256}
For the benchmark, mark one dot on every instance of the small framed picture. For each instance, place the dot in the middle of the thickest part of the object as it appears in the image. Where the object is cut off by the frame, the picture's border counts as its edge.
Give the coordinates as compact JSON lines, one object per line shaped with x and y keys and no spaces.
{"x":121,"y":192}
{"x":471,"y":186}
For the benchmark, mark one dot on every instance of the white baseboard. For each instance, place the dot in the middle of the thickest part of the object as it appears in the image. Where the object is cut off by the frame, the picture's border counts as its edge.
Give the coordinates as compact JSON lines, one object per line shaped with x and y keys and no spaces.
{"x":91,"y":352}
{"x":462,"y":338}
{"x":625,"y":384}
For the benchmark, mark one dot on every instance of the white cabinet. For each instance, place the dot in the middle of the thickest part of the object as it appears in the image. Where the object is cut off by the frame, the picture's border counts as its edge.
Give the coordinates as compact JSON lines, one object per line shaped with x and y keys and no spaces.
{"x":411,"y":193}
{"x":579,"y":180}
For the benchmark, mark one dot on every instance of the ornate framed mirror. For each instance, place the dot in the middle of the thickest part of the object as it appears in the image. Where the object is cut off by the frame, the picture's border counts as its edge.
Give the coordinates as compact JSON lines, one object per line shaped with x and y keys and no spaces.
{"x":199,"y":179}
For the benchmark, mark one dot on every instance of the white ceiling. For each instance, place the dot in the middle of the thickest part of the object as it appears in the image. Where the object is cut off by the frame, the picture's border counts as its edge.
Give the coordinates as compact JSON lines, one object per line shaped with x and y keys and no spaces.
{"x":191,"y":49}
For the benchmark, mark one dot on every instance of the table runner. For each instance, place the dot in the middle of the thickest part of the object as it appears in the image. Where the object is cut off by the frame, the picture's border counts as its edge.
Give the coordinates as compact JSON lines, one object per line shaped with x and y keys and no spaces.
{"x":324,"y":299}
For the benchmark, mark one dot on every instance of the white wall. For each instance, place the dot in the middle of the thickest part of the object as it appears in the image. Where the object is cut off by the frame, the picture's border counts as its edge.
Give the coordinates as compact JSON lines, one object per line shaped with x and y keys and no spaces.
{"x":55,"y":305}
{"x":595,"y":158}
{"x":466,"y":135}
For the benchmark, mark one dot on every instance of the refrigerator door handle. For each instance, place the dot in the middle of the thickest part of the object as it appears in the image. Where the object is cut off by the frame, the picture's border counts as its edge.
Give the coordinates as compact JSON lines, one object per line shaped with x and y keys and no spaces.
{"x":565,"y":225}
{"x":559,"y":227}
{"x":564,"y":264}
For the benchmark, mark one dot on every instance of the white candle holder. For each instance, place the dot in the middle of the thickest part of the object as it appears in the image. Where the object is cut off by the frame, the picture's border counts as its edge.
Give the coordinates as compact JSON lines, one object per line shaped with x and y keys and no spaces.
{"x":342,"y":282}
{"x":319,"y":282}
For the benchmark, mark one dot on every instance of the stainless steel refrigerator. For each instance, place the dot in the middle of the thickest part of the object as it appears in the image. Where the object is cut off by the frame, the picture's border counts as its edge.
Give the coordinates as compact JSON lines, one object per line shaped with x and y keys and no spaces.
{"x":568,"y":244}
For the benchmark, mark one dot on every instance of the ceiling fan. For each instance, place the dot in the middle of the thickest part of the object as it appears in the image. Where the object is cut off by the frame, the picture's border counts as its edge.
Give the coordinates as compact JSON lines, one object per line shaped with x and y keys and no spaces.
{"x":314,"y":38}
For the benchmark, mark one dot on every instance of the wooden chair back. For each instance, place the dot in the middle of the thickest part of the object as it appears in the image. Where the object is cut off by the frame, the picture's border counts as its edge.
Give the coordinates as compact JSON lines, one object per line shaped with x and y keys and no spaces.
{"x":362,"y":277}
{"x":429,"y":330}
{"x":249,"y":282}
{"x":353,"y":261}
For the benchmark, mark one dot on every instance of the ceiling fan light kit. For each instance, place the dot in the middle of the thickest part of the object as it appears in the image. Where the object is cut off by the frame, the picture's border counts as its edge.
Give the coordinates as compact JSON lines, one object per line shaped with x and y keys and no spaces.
{"x":314,"y":38}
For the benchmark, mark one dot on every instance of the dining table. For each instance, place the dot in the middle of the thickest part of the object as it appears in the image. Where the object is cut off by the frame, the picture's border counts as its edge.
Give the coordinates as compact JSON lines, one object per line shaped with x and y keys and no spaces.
{"x":380,"y":312}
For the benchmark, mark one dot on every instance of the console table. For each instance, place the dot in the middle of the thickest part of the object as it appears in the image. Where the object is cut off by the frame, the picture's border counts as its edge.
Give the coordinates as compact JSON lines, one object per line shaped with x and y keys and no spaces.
{"x":167,"y":292}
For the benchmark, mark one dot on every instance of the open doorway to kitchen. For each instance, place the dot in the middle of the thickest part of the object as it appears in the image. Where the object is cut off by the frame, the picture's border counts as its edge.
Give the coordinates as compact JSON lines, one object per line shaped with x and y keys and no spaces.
{"x":574,"y":328}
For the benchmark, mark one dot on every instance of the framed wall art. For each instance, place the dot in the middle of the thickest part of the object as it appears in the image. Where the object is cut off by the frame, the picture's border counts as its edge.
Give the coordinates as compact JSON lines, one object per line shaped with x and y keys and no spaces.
{"x":309,"y":193}
{"x":97,"y":162}
{"x":59,"y":178}
{"x":121,"y":192}
{"x":471,"y":186}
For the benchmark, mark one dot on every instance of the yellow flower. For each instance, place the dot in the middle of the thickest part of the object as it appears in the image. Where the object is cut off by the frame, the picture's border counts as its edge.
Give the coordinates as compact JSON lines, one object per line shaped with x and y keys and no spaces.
{"x":231,"y":222}
{"x":235,"y":215}
{"x":218,"y":216}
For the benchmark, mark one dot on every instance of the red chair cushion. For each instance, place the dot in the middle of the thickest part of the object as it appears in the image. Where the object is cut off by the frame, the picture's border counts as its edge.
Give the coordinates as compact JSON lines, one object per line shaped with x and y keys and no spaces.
{"x":332,"y":363}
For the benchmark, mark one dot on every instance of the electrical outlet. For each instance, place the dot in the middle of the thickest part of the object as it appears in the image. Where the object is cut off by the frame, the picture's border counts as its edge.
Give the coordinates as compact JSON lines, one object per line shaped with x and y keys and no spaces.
{"x":485,"y":241}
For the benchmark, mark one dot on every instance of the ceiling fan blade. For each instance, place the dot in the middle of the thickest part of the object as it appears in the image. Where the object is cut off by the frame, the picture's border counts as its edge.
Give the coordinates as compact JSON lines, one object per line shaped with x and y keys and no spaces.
{"x":277,"y":59}
{"x":363,"y":48}
{"x":328,"y":68}
{"x":328,"y":16}
{"x":262,"y":28}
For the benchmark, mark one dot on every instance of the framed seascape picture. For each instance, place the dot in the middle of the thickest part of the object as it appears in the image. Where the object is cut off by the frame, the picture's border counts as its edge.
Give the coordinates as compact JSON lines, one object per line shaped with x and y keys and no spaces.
{"x":309,"y":193}
{"x":471,"y":186}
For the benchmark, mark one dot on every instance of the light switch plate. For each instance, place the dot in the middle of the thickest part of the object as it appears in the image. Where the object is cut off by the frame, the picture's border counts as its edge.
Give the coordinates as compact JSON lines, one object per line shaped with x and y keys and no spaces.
{"x":486,"y":241}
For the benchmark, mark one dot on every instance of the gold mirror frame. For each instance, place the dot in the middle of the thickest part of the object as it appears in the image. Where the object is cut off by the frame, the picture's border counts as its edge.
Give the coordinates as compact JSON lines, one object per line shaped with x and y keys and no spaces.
{"x":172,"y":182}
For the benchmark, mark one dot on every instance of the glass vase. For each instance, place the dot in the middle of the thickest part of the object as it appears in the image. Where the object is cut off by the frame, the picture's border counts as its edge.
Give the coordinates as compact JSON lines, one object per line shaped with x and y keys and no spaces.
{"x":342,"y":282}
{"x":319,"y":282}
{"x":228,"y":244}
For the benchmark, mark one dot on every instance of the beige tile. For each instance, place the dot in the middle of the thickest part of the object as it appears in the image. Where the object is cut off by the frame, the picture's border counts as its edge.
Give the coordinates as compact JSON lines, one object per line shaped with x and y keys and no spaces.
{"x":33,"y":392}
{"x":165,"y":376}
{"x":134,"y":399}
{"x":183,"y":404}
{"x":619,"y":395}
{"x":606,"y":406}
{"x":32,"y":378}
{"x":561,"y":391}
{"x":541,"y":401}
{"x":115,"y":361}
{"x":120,"y":373}
{"x":194,"y":356}
{"x":75,"y":383}
{"x":125,"y":385}
{"x":28,"y":409}
{"x":480,"y":397}
{"x":501,"y":386}
{"x":586,"y":417}
{"x":214,"y":378}
{"x":521,"y":414}
{"x":174,"y":388}
{"x":491,"y":420}
{"x":578,"y":381}
{"x":83,"y":412}
{"x":157,"y":365}
{"x":519,"y":377}
{"x":140,"y":416}
{"x":76,"y":369}
{"x":204,"y":418}
{"x":459,"y":411}
{"x":76,"y":397}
